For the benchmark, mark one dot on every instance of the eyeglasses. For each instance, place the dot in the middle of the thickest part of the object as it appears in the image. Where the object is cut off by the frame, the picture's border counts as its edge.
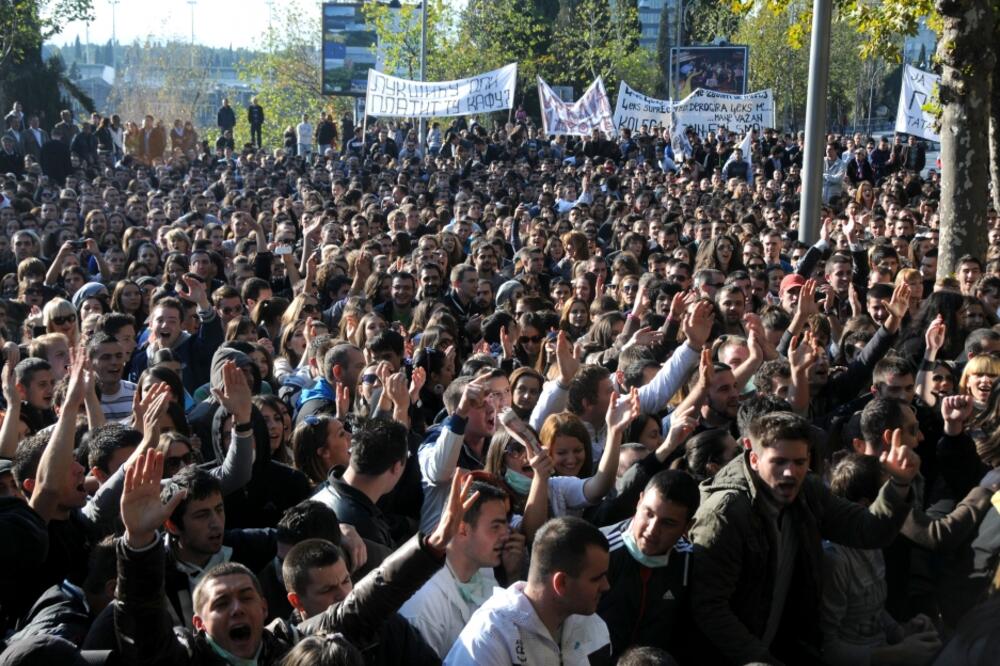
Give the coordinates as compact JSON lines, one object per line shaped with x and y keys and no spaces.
{"x":533,"y":339}
{"x":68,"y":319}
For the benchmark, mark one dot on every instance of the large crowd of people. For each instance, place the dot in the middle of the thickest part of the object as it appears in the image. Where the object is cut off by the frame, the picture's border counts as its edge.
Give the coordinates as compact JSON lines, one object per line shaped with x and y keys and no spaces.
{"x":491,"y":397}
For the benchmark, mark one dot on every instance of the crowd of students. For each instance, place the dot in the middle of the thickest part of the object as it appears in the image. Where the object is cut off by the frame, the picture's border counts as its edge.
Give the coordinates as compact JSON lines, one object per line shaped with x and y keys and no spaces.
{"x":516,"y":399}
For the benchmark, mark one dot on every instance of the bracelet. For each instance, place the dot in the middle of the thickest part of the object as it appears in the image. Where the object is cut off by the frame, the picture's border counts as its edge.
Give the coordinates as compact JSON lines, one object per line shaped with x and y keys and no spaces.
{"x":926,"y":365}
{"x":243,"y":427}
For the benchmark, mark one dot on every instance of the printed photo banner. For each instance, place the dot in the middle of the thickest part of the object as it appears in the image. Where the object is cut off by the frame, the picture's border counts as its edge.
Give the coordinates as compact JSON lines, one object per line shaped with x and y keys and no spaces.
{"x":592,"y":111}
{"x":918,"y":88}
{"x":392,"y":97}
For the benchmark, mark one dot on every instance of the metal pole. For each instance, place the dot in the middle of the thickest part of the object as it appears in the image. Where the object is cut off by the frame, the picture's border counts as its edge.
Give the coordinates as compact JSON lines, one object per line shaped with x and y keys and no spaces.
{"x":423,"y":72}
{"x":192,"y":3}
{"x":114,"y":38}
{"x":812,"y":162}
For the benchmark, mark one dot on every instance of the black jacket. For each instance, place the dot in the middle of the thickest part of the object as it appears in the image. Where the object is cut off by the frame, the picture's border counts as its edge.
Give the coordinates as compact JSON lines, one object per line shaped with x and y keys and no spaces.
{"x":61,"y":611}
{"x":255,"y":114}
{"x":226,"y":118}
{"x":644,"y":605}
{"x":24,"y":545}
{"x":146,"y":634}
{"x":355,"y":508}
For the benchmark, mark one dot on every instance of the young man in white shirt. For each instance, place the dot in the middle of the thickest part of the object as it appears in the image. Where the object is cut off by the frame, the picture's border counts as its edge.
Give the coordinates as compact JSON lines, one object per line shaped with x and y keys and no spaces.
{"x":552,"y":618}
{"x":443,"y":606}
{"x":107,"y":359}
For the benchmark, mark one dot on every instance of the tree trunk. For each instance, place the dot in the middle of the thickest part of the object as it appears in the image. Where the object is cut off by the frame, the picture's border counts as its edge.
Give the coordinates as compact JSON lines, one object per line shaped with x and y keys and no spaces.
{"x":965,"y":51}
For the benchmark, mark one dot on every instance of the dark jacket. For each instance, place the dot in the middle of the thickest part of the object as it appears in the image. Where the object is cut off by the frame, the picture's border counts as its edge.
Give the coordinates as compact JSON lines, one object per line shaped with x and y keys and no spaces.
{"x":147,"y":636}
{"x":24,"y":545}
{"x":61,"y":611}
{"x":252,"y":548}
{"x":355,"y":508}
{"x":736,"y":544}
{"x":194,"y":352}
{"x":255,"y":114}
{"x":644,"y":605}
{"x":226,"y":118}
{"x":55,"y":160}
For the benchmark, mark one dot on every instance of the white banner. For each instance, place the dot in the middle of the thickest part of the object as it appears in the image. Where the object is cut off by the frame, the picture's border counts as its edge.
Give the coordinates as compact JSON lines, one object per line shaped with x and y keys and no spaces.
{"x":918,"y":86}
{"x":592,"y":111}
{"x":706,"y":111}
{"x":393,"y":97}
{"x":633,"y":110}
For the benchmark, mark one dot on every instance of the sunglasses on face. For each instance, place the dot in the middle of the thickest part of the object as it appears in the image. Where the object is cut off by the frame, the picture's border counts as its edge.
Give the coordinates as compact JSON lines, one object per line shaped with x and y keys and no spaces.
{"x":68,"y":319}
{"x":532,"y":339}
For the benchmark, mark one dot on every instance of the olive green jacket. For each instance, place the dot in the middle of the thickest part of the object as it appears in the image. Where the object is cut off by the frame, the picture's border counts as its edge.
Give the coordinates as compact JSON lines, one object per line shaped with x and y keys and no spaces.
{"x":735,"y":561}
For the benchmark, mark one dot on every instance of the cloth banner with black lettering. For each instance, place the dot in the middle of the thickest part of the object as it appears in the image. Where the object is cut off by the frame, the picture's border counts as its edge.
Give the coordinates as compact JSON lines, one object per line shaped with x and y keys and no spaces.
{"x":389,"y":96}
{"x":707,"y":110}
{"x":592,"y":111}
{"x":633,"y":110}
{"x":918,"y":89}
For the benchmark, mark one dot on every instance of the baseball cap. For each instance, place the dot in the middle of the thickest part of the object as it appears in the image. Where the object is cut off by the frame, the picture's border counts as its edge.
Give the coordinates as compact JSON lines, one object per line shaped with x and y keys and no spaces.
{"x":793,"y":281}
{"x":6,"y":466}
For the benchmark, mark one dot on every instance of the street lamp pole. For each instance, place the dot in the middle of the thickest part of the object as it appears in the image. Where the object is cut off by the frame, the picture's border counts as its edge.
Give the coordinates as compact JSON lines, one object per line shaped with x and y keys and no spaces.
{"x":423,"y":70}
{"x":815,"y":149}
{"x":192,"y":3}
{"x":114,"y":35}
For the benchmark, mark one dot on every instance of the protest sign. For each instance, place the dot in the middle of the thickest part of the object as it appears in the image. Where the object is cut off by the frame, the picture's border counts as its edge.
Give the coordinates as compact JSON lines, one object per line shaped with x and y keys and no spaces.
{"x":592,"y":111}
{"x":917,"y":89}
{"x":706,"y":111}
{"x":633,"y":110}
{"x":389,"y":96}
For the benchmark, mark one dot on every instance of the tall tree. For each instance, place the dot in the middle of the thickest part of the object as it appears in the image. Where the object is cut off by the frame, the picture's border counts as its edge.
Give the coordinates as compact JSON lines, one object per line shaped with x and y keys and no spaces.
{"x":286,"y":72}
{"x":967,"y":58}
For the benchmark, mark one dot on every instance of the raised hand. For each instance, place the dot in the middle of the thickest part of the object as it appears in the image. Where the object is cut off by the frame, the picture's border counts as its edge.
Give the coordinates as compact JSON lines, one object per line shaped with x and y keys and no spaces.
{"x":459,"y":501}
{"x":512,"y":557}
{"x":11,"y":394}
{"x":802,"y":352}
{"x":397,"y":390}
{"x":194,"y":290}
{"x":622,"y":410}
{"x":142,"y":511}
{"x":342,"y":398}
{"x":955,"y":411}
{"x":682,"y":423}
{"x":541,"y":462}
{"x":473,"y":396}
{"x":706,"y":370}
{"x":697,"y":326}
{"x":680,"y":303}
{"x":78,"y":377}
{"x":566,"y":361}
{"x":355,"y":546}
{"x":899,"y":460}
{"x":506,"y":343}
{"x":934,"y":337}
{"x":807,"y":300}
{"x":235,"y":394}
{"x":646,"y":337}
{"x":897,"y":306}
{"x":417,"y":380}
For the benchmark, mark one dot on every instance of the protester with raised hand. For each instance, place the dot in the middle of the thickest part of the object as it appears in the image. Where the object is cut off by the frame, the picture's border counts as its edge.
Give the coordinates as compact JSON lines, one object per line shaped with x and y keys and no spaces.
{"x":229,"y":610}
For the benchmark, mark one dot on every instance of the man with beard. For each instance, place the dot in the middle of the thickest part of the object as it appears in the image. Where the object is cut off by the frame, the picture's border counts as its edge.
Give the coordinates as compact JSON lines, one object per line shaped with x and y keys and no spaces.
{"x":758,"y":541}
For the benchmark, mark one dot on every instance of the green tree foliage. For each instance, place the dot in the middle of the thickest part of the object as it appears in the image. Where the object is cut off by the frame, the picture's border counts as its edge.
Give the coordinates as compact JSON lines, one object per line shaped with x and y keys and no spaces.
{"x":287,"y":75}
{"x":711,"y":19}
{"x":39,"y":85}
{"x":783,"y":67}
{"x":26,"y":24}
{"x":592,"y":39}
{"x":399,"y":31}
